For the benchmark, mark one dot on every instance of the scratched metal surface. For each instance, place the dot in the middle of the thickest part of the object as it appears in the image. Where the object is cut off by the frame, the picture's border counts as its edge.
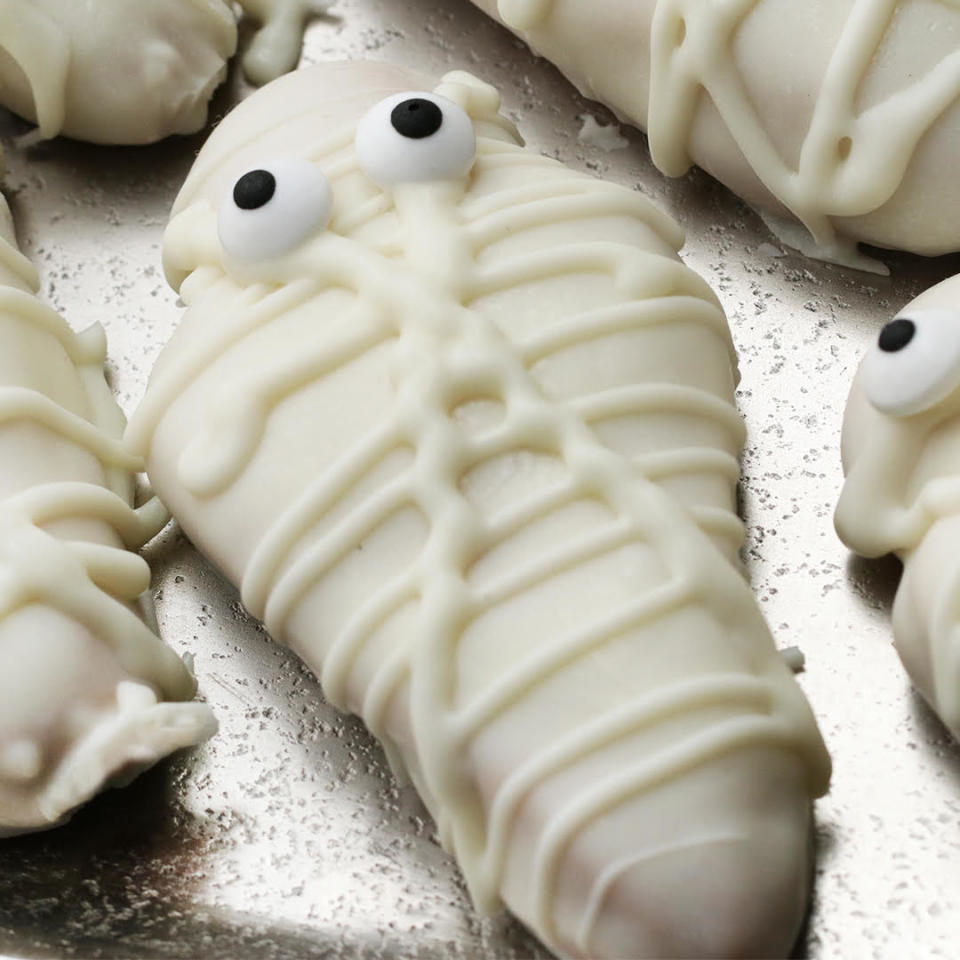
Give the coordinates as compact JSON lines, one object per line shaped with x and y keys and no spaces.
{"x":286,"y":837}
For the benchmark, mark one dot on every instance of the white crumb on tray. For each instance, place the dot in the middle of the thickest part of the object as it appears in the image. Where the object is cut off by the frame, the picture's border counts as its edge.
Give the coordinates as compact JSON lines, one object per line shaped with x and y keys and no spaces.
{"x":594,"y":134}
{"x":794,"y":658}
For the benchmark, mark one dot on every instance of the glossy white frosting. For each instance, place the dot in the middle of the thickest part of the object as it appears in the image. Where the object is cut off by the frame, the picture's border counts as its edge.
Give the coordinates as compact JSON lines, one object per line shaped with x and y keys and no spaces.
{"x":83,"y":678}
{"x":131,"y":71}
{"x":902,"y":491}
{"x":451,"y":449}
{"x":843,"y":115}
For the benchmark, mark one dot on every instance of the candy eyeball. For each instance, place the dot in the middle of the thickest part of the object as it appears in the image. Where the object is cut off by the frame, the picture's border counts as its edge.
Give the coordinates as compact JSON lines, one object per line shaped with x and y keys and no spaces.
{"x":273,"y":208}
{"x":915,"y":362}
{"x":415,"y":137}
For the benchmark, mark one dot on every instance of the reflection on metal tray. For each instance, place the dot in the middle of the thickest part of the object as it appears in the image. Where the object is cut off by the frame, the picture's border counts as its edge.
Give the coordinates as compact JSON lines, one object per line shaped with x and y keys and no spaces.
{"x":286,"y":836}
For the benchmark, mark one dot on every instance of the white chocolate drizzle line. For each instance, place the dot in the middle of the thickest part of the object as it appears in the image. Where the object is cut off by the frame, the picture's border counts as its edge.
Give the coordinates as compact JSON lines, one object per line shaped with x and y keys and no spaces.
{"x":619,"y":867}
{"x":256,"y":307}
{"x":56,"y":501}
{"x":451,"y":354}
{"x":20,"y":403}
{"x":850,"y":163}
{"x":707,"y":744}
{"x":238,"y":417}
{"x":622,"y":317}
{"x":276,"y":47}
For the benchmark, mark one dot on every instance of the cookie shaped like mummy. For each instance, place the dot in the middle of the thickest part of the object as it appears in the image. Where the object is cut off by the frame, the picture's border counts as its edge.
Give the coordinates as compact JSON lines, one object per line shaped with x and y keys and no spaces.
{"x":128,"y":71}
{"x":901,"y":457}
{"x":84,"y":682}
{"x":839,"y":118}
{"x":451,"y":431}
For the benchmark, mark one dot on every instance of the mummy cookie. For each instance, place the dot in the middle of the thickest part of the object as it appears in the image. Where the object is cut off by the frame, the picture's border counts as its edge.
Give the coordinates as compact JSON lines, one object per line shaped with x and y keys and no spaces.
{"x":901,"y":456}
{"x":449,"y":415}
{"x":89,"y":696}
{"x":838,"y":118}
{"x":123,"y":71}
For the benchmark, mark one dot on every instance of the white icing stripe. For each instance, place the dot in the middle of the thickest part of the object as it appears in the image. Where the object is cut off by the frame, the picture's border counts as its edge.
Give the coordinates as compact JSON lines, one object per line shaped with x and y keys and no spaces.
{"x":19,"y":403}
{"x":719,"y":523}
{"x":275,"y":48}
{"x":234,"y":429}
{"x":670,"y":463}
{"x":660,"y":398}
{"x":496,"y":155}
{"x":350,"y":222}
{"x":316,"y":499}
{"x":385,"y":683}
{"x":336,"y":170}
{"x":55,"y":501}
{"x":576,"y":554}
{"x":524,"y":512}
{"x":668,"y":764}
{"x":592,"y":201}
{"x":622,"y":318}
{"x":609,"y":877}
{"x":289,"y":589}
{"x":639,"y":273}
{"x":255,"y":308}
{"x":659,"y":603}
{"x":375,"y":610}
{"x":124,"y":574}
{"x":733,"y":690}
{"x":563,"y":184}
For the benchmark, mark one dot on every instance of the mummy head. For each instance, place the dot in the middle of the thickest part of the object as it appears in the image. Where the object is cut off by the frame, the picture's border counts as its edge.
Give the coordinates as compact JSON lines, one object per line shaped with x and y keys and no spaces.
{"x":898,"y":428}
{"x":901,"y":455}
{"x":341,"y":167}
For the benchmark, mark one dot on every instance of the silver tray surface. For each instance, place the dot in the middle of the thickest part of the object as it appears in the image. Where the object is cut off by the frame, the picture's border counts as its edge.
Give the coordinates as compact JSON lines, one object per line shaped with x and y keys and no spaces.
{"x":286,"y":836}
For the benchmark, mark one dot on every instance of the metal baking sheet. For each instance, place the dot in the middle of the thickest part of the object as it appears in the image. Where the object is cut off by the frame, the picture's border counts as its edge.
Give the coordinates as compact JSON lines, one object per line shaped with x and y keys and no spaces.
{"x":286,"y":836}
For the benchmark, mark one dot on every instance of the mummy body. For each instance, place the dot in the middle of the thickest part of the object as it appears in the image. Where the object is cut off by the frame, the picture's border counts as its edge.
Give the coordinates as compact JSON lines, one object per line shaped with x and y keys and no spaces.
{"x":901,"y":457}
{"x":453,"y":443}
{"x":123,"y":71}
{"x":83,"y":679}
{"x":835,"y":117}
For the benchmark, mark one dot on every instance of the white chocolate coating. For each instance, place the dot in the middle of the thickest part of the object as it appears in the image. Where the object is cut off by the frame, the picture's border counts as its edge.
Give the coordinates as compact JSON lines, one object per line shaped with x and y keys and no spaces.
{"x":902,"y":495}
{"x":134,"y":71}
{"x":81,"y":673}
{"x":843,"y":115}
{"x":422,"y":443}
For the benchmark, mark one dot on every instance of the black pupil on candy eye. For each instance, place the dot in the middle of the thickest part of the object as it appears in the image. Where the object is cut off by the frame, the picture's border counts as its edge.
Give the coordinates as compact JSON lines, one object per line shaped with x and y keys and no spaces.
{"x":416,"y":118}
{"x":254,"y":189}
{"x":896,"y":335}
